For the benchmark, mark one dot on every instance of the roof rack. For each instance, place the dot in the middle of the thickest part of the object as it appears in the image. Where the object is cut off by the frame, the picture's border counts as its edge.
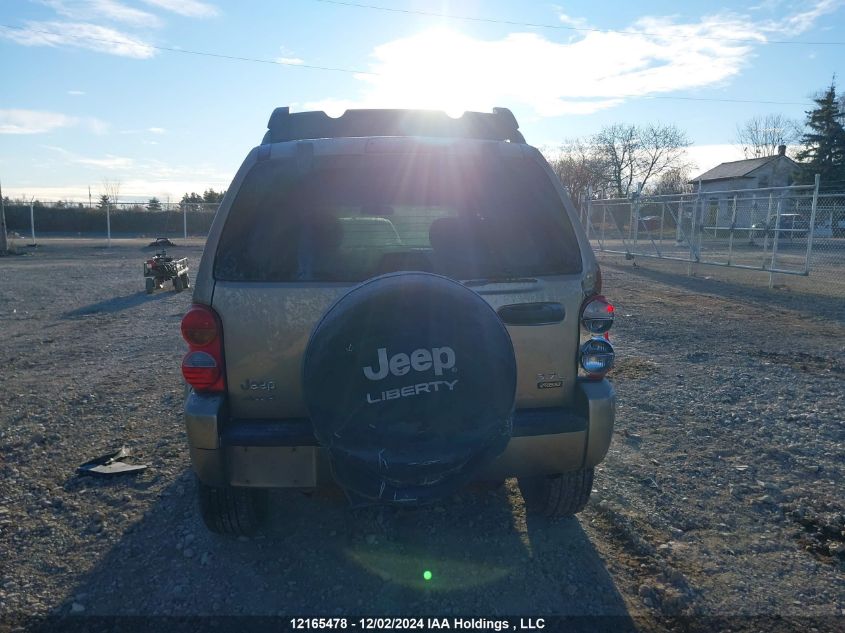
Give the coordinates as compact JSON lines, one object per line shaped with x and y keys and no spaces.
{"x":500,"y":125}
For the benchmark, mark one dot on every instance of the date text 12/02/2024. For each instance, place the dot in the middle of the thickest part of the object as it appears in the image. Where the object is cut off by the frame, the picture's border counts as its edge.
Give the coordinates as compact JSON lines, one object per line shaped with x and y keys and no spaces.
{"x":457,"y":624}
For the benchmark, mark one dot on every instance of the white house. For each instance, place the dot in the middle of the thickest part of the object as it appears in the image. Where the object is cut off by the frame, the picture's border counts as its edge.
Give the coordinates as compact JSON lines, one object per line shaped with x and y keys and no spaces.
{"x":719,"y":185}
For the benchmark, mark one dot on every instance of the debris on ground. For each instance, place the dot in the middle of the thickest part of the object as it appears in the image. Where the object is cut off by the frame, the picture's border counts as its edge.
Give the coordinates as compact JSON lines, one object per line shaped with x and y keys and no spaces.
{"x":110,"y":465}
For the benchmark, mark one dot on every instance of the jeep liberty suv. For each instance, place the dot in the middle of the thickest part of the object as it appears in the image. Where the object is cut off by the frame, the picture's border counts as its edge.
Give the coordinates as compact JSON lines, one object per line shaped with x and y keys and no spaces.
{"x":398,"y":303}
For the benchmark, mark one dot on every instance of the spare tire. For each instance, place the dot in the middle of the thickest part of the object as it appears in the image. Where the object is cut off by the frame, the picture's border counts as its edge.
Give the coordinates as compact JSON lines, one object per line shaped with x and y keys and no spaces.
{"x":410,"y":382}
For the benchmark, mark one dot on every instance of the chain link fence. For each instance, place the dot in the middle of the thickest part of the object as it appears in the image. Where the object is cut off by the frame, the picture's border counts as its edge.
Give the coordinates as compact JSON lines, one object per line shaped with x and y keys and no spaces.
{"x":794,"y":236}
{"x":28,"y":220}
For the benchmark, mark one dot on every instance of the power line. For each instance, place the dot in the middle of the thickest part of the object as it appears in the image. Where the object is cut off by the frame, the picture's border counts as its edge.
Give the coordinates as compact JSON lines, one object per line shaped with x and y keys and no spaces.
{"x":190,"y":52}
{"x":373,"y":74}
{"x":563,"y":27}
{"x":801,"y":103}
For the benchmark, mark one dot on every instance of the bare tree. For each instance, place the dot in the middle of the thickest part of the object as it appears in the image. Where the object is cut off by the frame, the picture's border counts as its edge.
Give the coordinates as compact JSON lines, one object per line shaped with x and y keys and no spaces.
{"x":662,"y":148}
{"x":760,"y":136}
{"x":616,"y":145}
{"x":579,"y":168}
{"x":634,"y":155}
{"x":673,"y":181}
{"x":111,"y":188}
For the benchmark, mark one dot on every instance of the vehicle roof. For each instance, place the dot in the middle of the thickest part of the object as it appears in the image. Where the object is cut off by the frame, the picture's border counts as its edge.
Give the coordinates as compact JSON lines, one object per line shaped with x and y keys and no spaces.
{"x":498,"y":125}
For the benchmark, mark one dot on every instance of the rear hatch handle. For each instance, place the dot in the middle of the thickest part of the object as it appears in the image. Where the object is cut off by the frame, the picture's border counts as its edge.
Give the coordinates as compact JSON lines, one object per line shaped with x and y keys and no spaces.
{"x":539,"y":313}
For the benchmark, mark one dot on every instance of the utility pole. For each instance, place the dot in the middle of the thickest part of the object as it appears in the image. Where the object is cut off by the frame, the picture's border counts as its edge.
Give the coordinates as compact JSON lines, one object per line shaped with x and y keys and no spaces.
{"x":4,"y":246}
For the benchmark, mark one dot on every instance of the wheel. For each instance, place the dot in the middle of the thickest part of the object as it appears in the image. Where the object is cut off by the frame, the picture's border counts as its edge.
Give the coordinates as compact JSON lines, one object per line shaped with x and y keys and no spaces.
{"x":177,"y":284}
{"x":232,"y":511}
{"x":560,"y":495}
{"x":151,"y":285}
{"x":186,"y":281}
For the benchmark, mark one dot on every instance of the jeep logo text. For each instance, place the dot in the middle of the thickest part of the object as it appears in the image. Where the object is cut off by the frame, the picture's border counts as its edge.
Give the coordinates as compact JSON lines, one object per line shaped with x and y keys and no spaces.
{"x":439,"y":358}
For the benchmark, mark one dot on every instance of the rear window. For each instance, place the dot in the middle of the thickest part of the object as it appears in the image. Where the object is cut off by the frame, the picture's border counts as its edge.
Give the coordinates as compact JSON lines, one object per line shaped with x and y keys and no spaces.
{"x":349,"y":218}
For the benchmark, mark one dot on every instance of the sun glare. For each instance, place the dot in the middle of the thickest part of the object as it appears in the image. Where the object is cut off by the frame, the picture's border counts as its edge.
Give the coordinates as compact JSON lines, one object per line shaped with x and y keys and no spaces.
{"x":442,"y":69}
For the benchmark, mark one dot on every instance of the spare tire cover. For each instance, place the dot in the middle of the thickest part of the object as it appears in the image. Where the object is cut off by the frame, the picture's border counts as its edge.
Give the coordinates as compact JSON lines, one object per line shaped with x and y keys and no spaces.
{"x":410,"y":382}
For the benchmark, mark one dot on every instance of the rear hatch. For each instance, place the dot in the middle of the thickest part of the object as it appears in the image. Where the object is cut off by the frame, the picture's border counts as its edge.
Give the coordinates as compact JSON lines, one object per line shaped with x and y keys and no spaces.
{"x":298,"y":236}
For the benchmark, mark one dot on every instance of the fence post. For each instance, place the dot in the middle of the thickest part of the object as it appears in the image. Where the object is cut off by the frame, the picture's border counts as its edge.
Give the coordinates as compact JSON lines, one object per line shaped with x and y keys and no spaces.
{"x":812,"y":224}
{"x":635,"y":220}
{"x":731,"y":235}
{"x":108,"y":224}
{"x":662,"y":218}
{"x":184,"y":220}
{"x":751,"y":220}
{"x":716,"y":219}
{"x":680,"y":220}
{"x":766,"y":228}
{"x":775,"y":240}
{"x":32,"y":220}
{"x":589,"y":210}
{"x":603,"y":221}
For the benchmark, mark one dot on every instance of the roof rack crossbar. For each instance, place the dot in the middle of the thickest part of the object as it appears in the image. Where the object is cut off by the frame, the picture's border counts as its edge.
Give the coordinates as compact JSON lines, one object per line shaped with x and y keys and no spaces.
{"x":500,"y":125}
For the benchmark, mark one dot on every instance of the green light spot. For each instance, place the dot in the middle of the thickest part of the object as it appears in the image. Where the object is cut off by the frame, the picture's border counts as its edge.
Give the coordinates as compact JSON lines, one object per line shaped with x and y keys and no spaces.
{"x":427,"y":575}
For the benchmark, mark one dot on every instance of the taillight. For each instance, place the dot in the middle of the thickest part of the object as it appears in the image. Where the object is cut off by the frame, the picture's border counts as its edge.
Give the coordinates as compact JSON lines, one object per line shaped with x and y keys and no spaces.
{"x":200,"y":326}
{"x":597,"y":315}
{"x":202,"y":366}
{"x":597,"y":357}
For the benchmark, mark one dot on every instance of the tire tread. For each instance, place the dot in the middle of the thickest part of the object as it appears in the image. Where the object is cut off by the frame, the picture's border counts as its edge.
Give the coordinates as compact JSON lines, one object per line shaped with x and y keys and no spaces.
{"x":232,"y":511}
{"x":561,"y":495}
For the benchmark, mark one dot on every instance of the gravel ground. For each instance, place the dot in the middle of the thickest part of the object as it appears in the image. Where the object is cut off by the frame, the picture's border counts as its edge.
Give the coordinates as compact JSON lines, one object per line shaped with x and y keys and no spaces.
{"x":722,"y":495}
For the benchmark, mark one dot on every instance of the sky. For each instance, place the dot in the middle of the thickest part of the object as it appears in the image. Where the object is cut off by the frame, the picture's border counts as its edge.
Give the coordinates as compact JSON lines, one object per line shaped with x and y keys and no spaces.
{"x":168,"y":96}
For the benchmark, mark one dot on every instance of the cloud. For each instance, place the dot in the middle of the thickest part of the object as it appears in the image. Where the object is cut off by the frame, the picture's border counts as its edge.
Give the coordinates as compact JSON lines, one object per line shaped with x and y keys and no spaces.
{"x":109,"y":162}
{"x":289,"y":60}
{"x":81,"y":35}
{"x":568,"y":20}
{"x":85,"y":10}
{"x":75,"y":93}
{"x":187,"y":8}
{"x":803,"y":21}
{"x":705,"y":157}
{"x":156,"y":130}
{"x":445,"y":69}
{"x":33,"y":121}
{"x":139,"y":179}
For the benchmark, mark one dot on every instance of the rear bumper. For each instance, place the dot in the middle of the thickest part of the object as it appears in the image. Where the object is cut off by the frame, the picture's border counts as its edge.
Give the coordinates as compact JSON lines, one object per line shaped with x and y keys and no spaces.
{"x":285,"y":453}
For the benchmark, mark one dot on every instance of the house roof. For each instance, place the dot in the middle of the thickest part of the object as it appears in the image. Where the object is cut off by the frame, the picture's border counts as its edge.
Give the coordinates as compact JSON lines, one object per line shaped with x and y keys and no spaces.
{"x":734,"y":169}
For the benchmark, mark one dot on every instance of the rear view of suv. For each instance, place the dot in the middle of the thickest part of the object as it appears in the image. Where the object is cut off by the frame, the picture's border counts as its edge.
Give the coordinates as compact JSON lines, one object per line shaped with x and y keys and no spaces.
{"x":398,"y":303}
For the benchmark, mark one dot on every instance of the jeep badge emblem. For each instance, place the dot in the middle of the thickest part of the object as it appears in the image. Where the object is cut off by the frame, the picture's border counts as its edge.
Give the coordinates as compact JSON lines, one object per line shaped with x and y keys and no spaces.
{"x":439,"y":358}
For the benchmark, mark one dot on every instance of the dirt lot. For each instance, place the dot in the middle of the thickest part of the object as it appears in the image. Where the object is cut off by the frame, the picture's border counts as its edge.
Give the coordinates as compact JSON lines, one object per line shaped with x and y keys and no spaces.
{"x":722,"y":495}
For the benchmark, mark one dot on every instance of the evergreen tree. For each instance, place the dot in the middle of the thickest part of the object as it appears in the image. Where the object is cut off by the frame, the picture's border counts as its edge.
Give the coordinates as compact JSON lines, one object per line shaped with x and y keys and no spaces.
{"x":154,"y":205}
{"x":824,"y":142}
{"x":209,"y":195}
{"x":193,"y":197}
{"x":104,"y":201}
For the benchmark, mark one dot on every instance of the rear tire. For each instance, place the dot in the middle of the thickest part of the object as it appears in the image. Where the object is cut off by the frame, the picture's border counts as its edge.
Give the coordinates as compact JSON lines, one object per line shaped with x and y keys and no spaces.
{"x":232,"y":511}
{"x":177,"y":284}
{"x":150,"y":285}
{"x":186,"y":281}
{"x":562,"y":495}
